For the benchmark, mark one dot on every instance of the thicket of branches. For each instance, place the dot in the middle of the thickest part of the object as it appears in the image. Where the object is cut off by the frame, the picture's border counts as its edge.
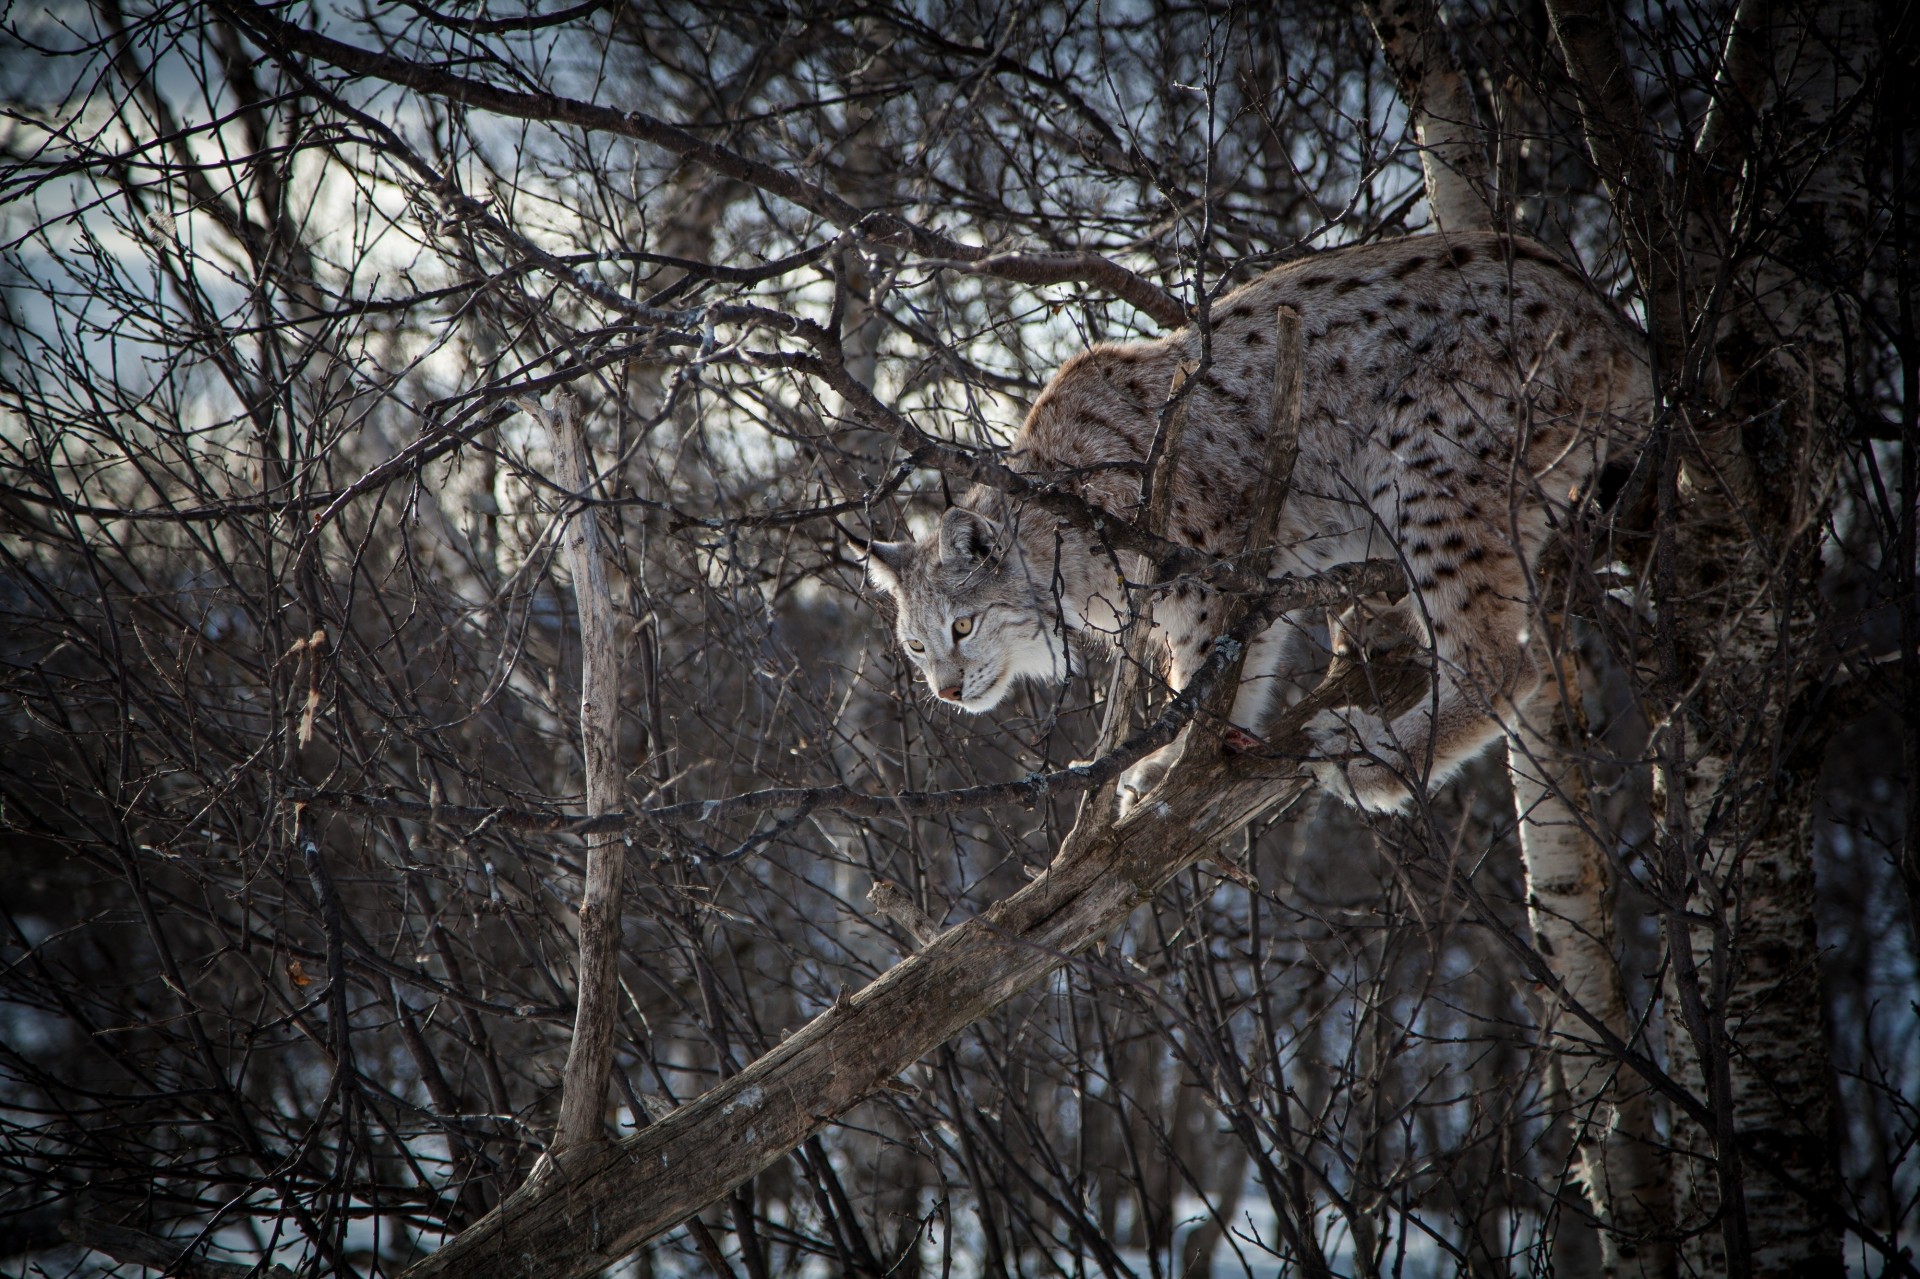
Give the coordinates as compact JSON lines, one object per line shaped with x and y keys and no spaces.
{"x":289,"y":872}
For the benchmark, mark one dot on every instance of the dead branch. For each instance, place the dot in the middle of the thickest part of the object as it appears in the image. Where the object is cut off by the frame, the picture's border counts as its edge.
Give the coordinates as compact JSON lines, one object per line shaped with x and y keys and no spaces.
{"x":891,"y":900}
{"x":590,"y":1053}
{"x":1283,"y":430}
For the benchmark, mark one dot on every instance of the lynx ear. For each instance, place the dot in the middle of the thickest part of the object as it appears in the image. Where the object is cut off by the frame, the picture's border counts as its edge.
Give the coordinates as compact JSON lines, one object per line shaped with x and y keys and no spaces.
{"x":886,"y":561}
{"x":967,"y":537}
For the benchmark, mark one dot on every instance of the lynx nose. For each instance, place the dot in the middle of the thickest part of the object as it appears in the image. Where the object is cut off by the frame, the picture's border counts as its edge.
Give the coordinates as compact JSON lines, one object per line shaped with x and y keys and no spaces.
{"x":951,"y":693}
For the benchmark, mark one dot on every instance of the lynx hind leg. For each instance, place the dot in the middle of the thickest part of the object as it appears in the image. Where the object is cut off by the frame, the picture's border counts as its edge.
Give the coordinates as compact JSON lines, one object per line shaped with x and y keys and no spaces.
{"x":1482,"y":670}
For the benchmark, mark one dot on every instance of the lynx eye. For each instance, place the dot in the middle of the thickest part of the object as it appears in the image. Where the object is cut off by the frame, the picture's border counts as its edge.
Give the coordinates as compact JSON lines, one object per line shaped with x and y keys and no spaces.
{"x":916,"y":646}
{"x":963,"y":626}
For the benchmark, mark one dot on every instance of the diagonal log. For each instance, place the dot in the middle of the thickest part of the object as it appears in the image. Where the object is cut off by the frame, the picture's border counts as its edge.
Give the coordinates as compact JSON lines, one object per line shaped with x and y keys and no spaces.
{"x":590,"y":1207}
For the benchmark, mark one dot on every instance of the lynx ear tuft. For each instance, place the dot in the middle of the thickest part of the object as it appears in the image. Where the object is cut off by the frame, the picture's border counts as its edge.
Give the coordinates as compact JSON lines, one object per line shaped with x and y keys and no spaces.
{"x":967,"y":537}
{"x":886,"y":561}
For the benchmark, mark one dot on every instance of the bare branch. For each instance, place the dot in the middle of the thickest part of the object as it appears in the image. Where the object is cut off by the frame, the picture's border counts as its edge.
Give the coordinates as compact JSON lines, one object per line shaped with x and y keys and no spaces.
{"x":284,"y":38}
{"x":1283,"y":430}
{"x":137,"y":1248}
{"x":892,"y":901}
{"x":590,"y":1053}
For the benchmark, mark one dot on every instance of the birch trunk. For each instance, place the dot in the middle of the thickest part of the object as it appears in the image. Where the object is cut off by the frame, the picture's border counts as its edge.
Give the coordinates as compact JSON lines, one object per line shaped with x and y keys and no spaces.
{"x":1744,"y":1023}
{"x":1750,"y":1035}
{"x":1440,"y":104}
{"x":1736,"y":565}
{"x":1570,"y":911}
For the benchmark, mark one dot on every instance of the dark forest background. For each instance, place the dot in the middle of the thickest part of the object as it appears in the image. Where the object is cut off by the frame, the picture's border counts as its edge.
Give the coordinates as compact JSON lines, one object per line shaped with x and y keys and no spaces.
{"x":285,"y":605}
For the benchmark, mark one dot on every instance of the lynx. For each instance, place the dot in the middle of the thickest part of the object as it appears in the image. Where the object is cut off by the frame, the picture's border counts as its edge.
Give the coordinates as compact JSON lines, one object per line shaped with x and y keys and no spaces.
{"x":1460,"y":393}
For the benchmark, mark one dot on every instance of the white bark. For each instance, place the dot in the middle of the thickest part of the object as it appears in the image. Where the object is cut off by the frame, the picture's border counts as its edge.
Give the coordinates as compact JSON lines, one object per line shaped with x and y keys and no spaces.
{"x":1569,"y":908}
{"x":1767,"y":1072}
{"x":1440,"y":104}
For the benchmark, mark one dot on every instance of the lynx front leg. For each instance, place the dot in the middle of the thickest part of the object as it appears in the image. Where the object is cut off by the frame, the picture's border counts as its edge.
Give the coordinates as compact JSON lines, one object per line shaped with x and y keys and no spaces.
{"x":1186,"y":622}
{"x":1260,"y":680}
{"x":1275,"y":654}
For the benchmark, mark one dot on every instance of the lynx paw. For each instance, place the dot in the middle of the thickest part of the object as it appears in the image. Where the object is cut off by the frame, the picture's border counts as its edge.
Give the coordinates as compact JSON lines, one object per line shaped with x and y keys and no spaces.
{"x":1358,"y":759}
{"x":1143,"y":777}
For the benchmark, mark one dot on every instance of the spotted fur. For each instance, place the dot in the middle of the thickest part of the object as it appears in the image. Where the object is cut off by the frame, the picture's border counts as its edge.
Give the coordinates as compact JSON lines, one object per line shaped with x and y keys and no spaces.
{"x":1457,"y":391}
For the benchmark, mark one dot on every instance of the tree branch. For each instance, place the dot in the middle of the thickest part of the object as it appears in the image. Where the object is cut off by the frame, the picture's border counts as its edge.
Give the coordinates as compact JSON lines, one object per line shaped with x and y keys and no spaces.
{"x":1283,"y":431}
{"x":283,"y":38}
{"x":596,"y":1016}
{"x":137,"y":1248}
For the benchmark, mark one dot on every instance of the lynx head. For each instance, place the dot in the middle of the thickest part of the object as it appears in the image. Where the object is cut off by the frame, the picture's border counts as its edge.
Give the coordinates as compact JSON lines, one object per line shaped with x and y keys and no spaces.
{"x":969,"y":615}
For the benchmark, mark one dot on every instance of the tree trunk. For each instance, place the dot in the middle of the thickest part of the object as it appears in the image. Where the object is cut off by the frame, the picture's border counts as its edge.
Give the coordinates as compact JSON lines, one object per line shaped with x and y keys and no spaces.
{"x":583,"y":1098}
{"x":1742,"y":987}
{"x":1746,"y":606}
{"x":1570,"y":910}
{"x":1736,"y":567}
